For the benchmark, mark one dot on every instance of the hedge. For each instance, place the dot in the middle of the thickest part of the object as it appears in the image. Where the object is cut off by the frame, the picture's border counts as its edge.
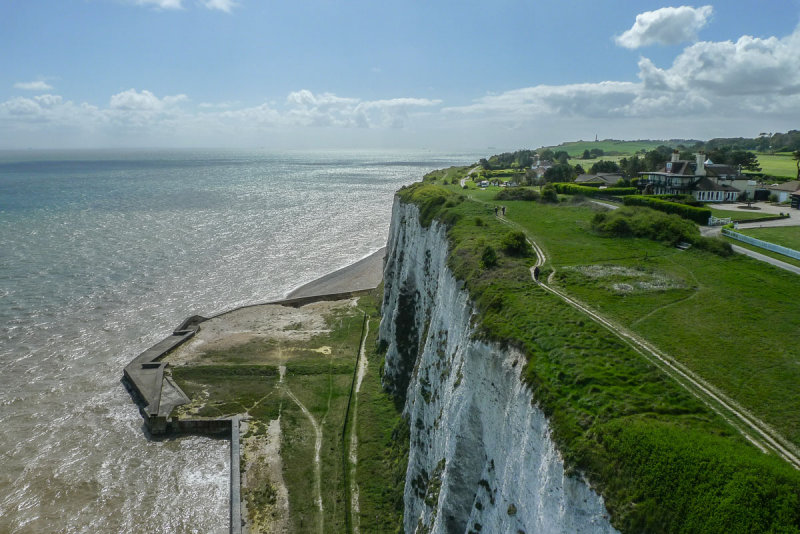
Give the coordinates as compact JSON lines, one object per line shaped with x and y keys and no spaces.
{"x":574,"y":189}
{"x":698,"y":215}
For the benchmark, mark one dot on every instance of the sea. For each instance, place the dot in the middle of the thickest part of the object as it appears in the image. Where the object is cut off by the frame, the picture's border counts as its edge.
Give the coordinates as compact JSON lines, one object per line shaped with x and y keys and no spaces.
{"x":102,"y":254}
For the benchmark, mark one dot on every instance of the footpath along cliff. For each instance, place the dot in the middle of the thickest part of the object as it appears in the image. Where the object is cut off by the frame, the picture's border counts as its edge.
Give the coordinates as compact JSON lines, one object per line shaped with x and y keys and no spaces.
{"x":481,"y":457}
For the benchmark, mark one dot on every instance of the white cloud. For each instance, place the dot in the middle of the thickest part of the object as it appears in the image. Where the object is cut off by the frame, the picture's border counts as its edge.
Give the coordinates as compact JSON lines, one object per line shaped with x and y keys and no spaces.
{"x":668,"y":26}
{"x":161,"y":4}
{"x":221,"y":5}
{"x":132,"y":100}
{"x":33,"y":86}
{"x":326,"y":109}
{"x":586,"y":99}
{"x":745,"y":78}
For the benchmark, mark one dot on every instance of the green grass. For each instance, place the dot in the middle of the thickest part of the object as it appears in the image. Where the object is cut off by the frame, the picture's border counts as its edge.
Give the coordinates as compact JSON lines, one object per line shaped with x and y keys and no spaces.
{"x":382,"y":447}
{"x":765,"y":252}
{"x":603,"y":399}
{"x":785,"y":236}
{"x":244,"y":379}
{"x":739,"y":215}
{"x":781,"y":165}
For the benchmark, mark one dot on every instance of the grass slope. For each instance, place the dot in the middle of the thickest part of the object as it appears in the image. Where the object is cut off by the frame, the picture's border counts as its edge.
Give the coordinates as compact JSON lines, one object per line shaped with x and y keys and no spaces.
{"x":244,"y":380}
{"x":661,"y":459}
{"x":781,"y":165}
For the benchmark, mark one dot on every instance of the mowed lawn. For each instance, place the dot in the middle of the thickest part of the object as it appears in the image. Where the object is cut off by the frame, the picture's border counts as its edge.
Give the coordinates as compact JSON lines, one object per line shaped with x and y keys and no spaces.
{"x":731,"y":320}
{"x":778,"y":165}
{"x":785,"y":236}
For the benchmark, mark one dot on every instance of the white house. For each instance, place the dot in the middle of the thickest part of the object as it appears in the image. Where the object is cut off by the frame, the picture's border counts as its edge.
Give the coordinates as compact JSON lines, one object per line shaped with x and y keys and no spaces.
{"x":703,"y":179}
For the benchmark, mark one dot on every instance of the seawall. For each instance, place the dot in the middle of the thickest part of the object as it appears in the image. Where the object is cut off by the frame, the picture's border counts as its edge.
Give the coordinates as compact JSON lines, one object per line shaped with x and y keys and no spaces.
{"x":157,"y":395}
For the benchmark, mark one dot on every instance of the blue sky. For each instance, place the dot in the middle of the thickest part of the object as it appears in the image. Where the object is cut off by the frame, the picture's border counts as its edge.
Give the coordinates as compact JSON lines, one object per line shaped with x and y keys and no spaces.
{"x":363,"y":74}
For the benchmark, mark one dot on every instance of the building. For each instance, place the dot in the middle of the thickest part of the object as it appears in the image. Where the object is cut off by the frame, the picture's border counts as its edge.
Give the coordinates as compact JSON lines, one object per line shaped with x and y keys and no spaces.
{"x":608,"y":179}
{"x":703,"y":179}
{"x":785,"y":190}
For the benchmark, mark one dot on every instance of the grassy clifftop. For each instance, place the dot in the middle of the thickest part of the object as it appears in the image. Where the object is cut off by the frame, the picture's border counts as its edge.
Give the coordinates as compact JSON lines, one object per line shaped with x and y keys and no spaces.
{"x":663,"y":461}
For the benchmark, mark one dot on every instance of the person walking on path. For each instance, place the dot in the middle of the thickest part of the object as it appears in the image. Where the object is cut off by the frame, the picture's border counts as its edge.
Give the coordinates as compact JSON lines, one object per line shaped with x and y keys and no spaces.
{"x":495,"y":211}
{"x":504,"y":211}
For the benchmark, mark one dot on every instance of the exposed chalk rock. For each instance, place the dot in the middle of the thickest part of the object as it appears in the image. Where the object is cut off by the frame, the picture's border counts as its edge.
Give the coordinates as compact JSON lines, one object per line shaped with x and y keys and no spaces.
{"x":481,"y":458}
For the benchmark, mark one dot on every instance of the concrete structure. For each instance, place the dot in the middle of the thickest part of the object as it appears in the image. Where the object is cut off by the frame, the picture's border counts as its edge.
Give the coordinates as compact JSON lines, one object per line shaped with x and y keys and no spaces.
{"x":785,"y":190}
{"x":157,"y":395}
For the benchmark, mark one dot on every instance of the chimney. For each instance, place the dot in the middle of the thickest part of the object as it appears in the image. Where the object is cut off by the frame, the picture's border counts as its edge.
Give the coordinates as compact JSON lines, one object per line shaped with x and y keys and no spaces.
{"x":675,"y":154}
{"x":701,"y":167}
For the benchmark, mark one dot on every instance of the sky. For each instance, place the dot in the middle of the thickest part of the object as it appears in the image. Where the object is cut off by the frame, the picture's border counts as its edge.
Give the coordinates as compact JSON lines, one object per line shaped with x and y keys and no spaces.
{"x":439,"y":75}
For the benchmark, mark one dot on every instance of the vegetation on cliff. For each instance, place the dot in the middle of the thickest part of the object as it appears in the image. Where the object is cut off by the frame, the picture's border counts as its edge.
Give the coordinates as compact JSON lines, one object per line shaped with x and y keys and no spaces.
{"x":663,"y":461}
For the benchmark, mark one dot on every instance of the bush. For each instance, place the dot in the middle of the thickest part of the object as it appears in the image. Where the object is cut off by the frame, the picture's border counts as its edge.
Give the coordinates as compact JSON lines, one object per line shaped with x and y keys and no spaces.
{"x":549,"y":194}
{"x":479,"y":221}
{"x":698,"y":215}
{"x":515,"y":243}
{"x":517,"y":193}
{"x":644,"y":222}
{"x":489,"y":257}
{"x":574,"y":189}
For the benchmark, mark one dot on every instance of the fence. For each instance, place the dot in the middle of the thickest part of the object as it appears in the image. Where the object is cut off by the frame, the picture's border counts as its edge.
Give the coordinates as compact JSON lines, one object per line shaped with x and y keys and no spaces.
{"x":762,"y":244}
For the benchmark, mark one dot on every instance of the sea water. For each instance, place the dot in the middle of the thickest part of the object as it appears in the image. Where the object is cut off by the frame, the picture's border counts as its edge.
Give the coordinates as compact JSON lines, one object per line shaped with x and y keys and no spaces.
{"x":102,"y":254}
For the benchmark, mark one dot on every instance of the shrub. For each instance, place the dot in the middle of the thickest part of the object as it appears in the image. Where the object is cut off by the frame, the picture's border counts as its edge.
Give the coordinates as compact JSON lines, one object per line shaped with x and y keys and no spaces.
{"x":515,"y":243}
{"x":479,"y":221}
{"x":574,"y":189}
{"x":517,"y":193}
{"x":549,"y":194}
{"x":489,"y":257}
{"x":632,"y":221}
{"x":698,"y":215}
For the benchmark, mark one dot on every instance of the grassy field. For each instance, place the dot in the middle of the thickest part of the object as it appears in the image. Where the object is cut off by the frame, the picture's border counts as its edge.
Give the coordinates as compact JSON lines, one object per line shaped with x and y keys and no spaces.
{"x":786,"y":236}
{"x":662,"y":460}
{"x":778,"y":165}
{"x":244,"y":379}
{"x":694,"y":295}
{"x":765,"y":252}
{"x":739,"y":215}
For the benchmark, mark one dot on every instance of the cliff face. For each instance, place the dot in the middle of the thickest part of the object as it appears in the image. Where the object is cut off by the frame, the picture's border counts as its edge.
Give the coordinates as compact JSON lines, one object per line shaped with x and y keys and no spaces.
{"x":481,"y":457}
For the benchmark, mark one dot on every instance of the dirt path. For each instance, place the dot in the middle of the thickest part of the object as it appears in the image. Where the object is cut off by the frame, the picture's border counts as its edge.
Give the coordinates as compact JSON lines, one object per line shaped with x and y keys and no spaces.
{"x":317,"y":448}
{"x":353,"y":452}
{"x":751,"y":427}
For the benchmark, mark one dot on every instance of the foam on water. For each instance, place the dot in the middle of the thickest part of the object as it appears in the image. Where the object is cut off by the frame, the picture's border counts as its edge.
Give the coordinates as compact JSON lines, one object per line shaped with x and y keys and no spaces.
{"x":102,"y":254}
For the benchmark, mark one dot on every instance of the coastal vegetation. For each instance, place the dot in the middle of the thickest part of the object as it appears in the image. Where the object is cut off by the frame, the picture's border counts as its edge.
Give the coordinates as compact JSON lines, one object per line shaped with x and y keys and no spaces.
{"x":304,"y":379}
{"x":663,"y":460}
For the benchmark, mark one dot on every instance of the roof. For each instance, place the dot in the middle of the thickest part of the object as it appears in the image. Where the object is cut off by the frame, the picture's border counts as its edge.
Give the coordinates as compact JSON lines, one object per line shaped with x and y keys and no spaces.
{"x":706,"y":184}
{"x":681,"y":166}
{"x":608,"y":178}
{"x":791,"y":186}
{"x":689,"y":168}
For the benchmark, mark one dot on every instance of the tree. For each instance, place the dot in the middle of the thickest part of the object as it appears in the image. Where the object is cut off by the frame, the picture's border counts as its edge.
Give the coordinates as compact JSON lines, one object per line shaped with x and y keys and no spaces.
{"x":547,"y":154}
{"x":604,"y":166}
{"x":597,"y":153}
{"x":561,"y":156}
{"x":578,"y":169}
{"x":632,"y":167}
{"x":586,"y":154}
{"x":559,"y":173}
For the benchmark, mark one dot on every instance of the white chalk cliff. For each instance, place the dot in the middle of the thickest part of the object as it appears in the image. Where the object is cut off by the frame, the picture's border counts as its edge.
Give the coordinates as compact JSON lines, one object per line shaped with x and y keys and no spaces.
{"x":481,"y":458}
